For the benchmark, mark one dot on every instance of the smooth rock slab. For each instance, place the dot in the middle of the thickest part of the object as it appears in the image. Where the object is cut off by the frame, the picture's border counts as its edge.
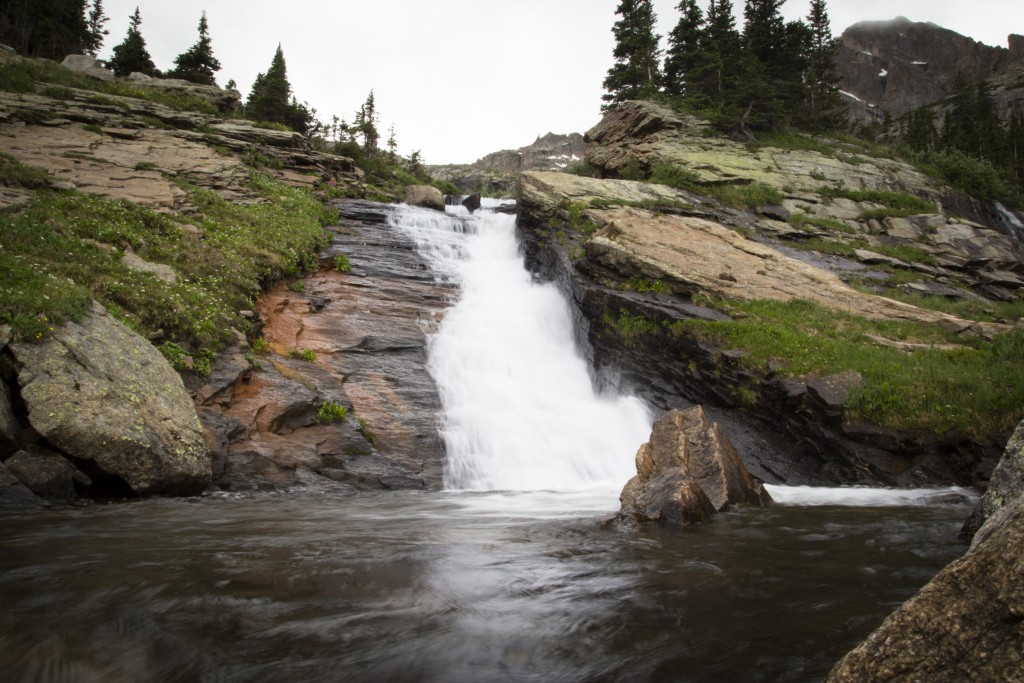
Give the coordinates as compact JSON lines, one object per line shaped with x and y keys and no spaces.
{"x":97,"y":391}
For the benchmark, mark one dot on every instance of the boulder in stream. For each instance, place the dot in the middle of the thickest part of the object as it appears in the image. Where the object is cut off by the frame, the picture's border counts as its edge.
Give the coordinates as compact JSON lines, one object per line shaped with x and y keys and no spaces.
{"x":687,"y":472}
{"x":424,"y":195}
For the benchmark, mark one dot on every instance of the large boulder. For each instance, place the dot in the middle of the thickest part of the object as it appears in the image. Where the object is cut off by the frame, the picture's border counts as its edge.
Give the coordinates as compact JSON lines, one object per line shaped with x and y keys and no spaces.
{"x":87,"y":65}
{"x":1006,"y":485}
{"x":424,"y":195}
{"x":687,"y":472}
{"x":966,"y":624}
{"x":99,"y":392}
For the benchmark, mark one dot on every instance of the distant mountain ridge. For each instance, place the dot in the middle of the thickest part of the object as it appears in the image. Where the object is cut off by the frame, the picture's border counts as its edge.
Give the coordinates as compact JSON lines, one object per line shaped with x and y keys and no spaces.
{"x":898,"y":66}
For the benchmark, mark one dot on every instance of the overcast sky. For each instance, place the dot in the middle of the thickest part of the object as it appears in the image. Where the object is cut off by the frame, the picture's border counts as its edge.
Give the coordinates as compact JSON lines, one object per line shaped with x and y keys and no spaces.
{"x":462,"y":78}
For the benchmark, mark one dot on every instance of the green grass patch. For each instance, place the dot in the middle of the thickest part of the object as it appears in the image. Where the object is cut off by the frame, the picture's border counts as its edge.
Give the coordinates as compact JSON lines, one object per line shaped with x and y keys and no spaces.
{"x":976,"y":391}
{"x":630,"y":328}
{"x":830,"y":224}
{"x":582,"y":168}
{"x":13,"y":173}
{"x":894,"y":203}
{"x":307,"y":355}
{"x":747,"y":196}
{"x":66,"y":247}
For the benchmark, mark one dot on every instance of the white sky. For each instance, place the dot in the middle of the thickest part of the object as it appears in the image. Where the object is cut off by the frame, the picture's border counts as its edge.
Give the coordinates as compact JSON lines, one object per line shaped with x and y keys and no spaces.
{"x":462,"y":78}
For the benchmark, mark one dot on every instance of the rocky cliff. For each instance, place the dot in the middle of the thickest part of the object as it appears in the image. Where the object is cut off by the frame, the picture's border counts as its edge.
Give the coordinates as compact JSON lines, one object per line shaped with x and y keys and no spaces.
{"x":177,"y":215}
{"x":658,"y":269}
{"x":495,"y":173}
{"x":898,"y":66}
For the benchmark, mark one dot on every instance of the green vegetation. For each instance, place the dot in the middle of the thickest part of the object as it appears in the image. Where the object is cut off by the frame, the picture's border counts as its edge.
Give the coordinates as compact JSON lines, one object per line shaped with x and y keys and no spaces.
{"x":15,"y":174}
{"x":749,"y":196}
{"x":297,"y":286}
{"x":260,"y":345}
{"x":976,"y":389}
{"x":271,"y":99}
{"x":582,"y":168}
{"x":638,"y":284}
{"x":66,"y":247}
{"x":306,"y":355}
{"x":636,"y":73}
{"x":182,"y":361}
{"x":831,"y":224}
{"x":197,"y":64}
{"x":895,"y":204}
{"x":342,"y":263}
{"x":131,"y":55}
{"x":331,"y":412}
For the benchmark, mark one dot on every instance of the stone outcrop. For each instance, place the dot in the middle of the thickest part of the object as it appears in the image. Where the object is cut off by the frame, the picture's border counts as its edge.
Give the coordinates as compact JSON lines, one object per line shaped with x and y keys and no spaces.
{"x":426,"y":196}
{"x":1005,"y":487}
{"x":14,"y":494}
{"x":107,"y":398}
{"x":364,"y":332}
{"x":495,"y":172}
{"x":46,"y":474}
{"x":609,"y":241}
{"x":898,"y":66}
{"x":686,"y":472}
{"x":87,"y":65}
{"x":966,"y":624}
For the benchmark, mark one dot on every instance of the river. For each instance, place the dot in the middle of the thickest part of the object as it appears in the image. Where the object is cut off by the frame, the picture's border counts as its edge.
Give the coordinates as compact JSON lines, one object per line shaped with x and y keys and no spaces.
{"x":511,"y":574}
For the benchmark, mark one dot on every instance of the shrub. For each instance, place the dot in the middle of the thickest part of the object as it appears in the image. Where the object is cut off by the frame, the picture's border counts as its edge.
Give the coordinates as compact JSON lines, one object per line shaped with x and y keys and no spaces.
{"x":306,"y":355}
{"x":342,"y":264}
{"x":331,"y":412}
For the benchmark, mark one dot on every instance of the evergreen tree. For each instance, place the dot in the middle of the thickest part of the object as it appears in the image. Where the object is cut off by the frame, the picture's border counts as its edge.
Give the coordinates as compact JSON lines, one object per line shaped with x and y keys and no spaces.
{"x":131,"y":55}
{"x":825,"y":110}
{"x":95,"y":21}
{"x":720,"y":44}
{"x":366,"y":125}
{"x":51,"y":29}
{"x":197,"y":64}
{"x":685,"y":58}
{"x":270,"y":94}
{"x":635,"y":73}
{"x":392,"y":144}
{"x":271,"y":99}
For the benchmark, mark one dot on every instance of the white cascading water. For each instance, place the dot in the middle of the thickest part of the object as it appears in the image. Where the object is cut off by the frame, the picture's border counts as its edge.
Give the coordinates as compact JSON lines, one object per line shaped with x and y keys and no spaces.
{"x":521,"y":412}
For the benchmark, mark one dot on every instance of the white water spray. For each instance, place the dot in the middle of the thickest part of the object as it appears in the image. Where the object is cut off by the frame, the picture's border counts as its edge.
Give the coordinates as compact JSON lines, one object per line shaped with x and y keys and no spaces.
{"x":521,"y":412}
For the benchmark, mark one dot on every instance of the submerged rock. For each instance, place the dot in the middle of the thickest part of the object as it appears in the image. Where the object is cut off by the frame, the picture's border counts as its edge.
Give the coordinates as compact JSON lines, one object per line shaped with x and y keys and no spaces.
{"x":686,"y":473}
{"x":99,"y":392}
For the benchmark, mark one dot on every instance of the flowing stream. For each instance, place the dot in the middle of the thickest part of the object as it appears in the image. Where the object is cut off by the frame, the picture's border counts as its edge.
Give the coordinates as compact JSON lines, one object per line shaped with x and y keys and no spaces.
{"x":508,"y":575}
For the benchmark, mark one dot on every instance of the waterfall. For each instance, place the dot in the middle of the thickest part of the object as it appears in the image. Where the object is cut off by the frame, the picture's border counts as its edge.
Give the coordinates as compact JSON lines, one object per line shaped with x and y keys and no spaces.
{"x":520,"y":409}
{"x":1010,"y":221}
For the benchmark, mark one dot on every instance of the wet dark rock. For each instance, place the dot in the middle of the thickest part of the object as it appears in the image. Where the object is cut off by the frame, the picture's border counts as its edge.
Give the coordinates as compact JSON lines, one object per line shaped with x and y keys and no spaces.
{"x":1005,"y":487}
{"x":9,"y":426}
{"x":687,"y":472}
{"x":46,"y":473}
{"x":364,"y":332}
{"x":472,"y":202}
{"x":14,"y":494}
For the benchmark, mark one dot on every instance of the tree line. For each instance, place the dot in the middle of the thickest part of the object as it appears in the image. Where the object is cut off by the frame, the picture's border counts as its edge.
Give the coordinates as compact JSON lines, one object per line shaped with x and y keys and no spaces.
{"x":770,"y":75}
{"x":53,"y":29}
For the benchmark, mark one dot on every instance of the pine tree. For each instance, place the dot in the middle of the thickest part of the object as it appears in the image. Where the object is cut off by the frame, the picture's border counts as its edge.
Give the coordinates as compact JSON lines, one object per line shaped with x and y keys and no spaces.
{"x":684,"y":57}
{"x":720,"y":45}
{"x":392,"y":144}
{"x":366,"y":125}
{"x":270,"y":94}
{"x":95,"y":21}
{"x":131,"y":55}
{"x":197,"y":64}
{"x":825,"y":109}
{"x":635,"y":73}
{"x":774,"y":61}
{"x":51,"y":29}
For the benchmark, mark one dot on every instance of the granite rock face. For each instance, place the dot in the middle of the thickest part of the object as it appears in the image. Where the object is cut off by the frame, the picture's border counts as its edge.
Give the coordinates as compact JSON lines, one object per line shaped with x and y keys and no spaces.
{"x":898,"y":66}
{"x":1005,"y":487}
{"x":686,"y":472}
{"x":424,"y":196}
{"x":100,"y":393}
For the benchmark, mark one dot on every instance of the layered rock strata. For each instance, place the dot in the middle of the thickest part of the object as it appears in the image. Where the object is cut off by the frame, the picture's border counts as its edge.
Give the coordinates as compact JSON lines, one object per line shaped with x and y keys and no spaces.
{"x":354,"y":337}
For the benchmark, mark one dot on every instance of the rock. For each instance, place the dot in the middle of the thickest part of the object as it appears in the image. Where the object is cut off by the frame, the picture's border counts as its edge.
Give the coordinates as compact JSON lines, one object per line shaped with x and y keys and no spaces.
{"x":496,"y":172}
{"x":686,"y":472}
{"x":424,"y":195}
{"x":472,"y":202}
{"x":87,"y":65}
{"x":9,"y":427}
{"x":1005,"y":487}
{"x":966,"y":624}
{"x":158,"y":270}
{"x":14,"y":494}
{"x":99,"y":392}
{"x":46,"y":474}
{"x":225,"y":101}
